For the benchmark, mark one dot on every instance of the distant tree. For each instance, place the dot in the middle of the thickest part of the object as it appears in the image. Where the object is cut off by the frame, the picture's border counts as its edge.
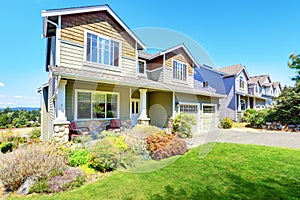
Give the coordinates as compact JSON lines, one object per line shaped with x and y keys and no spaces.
{"x":294,"y":63}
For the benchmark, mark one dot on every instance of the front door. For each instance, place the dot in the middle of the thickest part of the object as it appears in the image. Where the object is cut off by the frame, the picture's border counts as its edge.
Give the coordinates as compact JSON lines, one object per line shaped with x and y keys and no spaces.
{"x":135,"y":111}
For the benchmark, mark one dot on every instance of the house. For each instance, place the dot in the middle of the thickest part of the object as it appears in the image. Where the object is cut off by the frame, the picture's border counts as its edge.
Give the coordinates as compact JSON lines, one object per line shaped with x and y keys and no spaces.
{"x":267,"y":89}
{"x":99,"y":70}
{"x":241,"y":90}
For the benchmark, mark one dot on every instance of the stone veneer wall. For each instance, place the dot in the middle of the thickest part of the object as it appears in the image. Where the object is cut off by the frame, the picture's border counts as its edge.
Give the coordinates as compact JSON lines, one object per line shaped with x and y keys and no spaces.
{"x":60,"y":132}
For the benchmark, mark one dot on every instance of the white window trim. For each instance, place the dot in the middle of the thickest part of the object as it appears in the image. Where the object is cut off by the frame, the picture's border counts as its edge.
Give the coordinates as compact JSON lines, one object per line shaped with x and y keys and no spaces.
{"x":138,"y":69}
{"x":187,"y":71}
{"x":92,"y":92}
{"x":207,"y":104}
{"x":106,"y":38}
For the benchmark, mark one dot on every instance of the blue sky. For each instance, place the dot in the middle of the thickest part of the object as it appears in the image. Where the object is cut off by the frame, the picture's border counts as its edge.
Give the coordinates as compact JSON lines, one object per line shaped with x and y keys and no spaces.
{"x":257,"y":34}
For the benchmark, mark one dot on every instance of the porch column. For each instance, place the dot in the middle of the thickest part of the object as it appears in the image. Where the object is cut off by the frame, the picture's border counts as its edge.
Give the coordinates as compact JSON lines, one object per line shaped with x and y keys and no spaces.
{"x":254,"y":102}
{"x":143,"y":119}
{"x":239,"y":102}
{"x":248,"y":102}
{"x":173,"y":105}
{"x":60,"y":102}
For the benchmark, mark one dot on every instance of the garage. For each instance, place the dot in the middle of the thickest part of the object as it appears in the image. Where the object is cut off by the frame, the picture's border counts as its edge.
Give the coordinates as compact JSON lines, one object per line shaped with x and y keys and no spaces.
{"x":209,"y":116}
{"x":192,"y":109}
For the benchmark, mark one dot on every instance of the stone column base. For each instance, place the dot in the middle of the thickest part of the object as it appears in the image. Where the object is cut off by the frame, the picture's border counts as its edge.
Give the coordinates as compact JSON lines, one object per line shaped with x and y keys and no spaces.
{"x":60,"y":132}
{"x":143,"y":121}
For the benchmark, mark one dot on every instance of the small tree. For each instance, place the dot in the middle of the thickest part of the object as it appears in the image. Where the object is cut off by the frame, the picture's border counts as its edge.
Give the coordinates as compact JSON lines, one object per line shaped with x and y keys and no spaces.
{"x":183,"y":123}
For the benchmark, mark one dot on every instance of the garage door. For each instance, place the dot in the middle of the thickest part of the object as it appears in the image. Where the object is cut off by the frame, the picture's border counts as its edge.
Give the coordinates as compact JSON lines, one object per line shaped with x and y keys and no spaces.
{"x":209,"y":117}
{"x":194,"y":111}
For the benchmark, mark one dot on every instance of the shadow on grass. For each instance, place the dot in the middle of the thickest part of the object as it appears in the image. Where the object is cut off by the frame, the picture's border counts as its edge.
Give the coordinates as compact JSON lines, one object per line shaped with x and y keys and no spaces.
{"x":239,"y":188}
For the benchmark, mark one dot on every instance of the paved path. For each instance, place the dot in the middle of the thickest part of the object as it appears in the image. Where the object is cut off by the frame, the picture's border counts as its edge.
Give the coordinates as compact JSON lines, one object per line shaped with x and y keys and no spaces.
{"x":247,"y":136}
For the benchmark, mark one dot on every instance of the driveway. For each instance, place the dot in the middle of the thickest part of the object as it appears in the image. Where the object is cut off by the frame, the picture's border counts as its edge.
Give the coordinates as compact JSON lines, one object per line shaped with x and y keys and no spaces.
{"x":247,"y":136}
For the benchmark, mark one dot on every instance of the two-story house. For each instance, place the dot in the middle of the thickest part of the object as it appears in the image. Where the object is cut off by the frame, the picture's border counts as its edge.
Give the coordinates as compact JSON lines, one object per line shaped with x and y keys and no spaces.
{"x":267,"y":89}
{"x":241,"y":90}
{"x":99,"y":70}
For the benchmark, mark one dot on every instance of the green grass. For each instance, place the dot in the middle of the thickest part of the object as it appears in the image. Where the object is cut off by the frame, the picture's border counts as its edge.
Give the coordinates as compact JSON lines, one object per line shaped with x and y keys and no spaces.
{"x":229,"y":171}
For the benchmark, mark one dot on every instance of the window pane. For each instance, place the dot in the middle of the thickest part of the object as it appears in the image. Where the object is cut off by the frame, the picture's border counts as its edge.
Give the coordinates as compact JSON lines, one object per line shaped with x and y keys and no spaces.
{"x":84,"y":105}
{"x":106,"y":52}
{"x":100,"y":53}
{"x":98,"y":105}
{"x":132,"y":107}
{"x":112,"y":106}
{"x":174,"y":69}
{"x":141,"y":67}
{"x":136,"y":107}
{"x":116,"y":54}
{"x":94,"y":48}
{"x":88,"y":47}
{"x":184,"y":72}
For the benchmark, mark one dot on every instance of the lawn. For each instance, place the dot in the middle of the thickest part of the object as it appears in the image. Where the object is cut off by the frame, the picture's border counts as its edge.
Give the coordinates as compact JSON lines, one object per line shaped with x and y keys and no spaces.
{"x":229,"y":171}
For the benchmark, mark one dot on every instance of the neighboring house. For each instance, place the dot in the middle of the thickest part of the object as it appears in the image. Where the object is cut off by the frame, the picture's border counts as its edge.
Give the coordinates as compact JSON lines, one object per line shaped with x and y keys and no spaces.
{"x":267,"y":89}
{"x":242,"y":92}
{"x":99,"y":70}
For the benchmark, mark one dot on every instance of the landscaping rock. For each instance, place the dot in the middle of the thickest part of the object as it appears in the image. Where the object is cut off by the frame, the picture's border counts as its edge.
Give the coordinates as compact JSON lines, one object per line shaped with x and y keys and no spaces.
{"x":24,"y":189}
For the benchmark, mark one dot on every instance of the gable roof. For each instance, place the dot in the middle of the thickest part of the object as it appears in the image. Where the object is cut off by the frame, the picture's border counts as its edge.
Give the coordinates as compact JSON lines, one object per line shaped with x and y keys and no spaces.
{"x":148,"y":56}
{"x":254,"y":80}
{"x":277,"y":84}
{"x":262,"y":78}
{"x":85,"y":9}
{"x":233,"y":70}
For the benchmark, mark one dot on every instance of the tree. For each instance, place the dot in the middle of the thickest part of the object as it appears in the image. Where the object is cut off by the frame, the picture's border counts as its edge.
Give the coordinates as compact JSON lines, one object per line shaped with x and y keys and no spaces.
{"x":295,"y":64}
{"x":288,"y":106}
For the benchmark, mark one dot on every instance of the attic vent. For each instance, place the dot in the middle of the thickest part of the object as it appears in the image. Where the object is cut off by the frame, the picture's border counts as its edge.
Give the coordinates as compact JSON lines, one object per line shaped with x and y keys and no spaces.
{"x":205,"y":84}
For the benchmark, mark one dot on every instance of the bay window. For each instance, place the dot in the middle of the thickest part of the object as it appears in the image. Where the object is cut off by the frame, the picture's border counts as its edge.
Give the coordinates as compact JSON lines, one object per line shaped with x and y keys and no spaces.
{"x":179,"y":70}
{"x":97,"y":105}
{"x":102,"y":50}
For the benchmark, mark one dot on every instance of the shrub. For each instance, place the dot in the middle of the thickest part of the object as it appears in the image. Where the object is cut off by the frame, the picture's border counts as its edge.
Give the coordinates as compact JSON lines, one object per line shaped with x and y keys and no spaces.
{"x":79,"y":157}
{"x":35,"y":133}
{"x":136,"y":139}
{"x":158,"y":141}
{"x":258,"y":118}
{"x":247,"y":114}
{"x":176,"y":147}
{"x":226,"y":123}
{"x":104,"y":156}
{"x":163,"y":145}
{"x":183,"y":123}
{"x":118,"y":142}
{"x":6,"y":146}
{"x":69,"y":179}
{"x":36,"y":161}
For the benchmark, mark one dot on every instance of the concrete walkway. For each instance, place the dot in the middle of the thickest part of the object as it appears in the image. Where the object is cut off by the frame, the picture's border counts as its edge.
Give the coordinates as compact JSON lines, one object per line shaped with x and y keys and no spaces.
{"x":247,"y":136}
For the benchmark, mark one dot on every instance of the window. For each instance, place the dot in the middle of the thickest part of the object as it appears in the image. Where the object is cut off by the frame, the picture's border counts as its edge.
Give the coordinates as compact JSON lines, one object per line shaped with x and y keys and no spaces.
{"x":256,"y":89}
{"x":209,"y":109}
{"x":243,"y":104}
{"x":94,"y":105}
{"x":205,"y":84}
{"x":189,"y":108}
{"x":242,"y":83}
{"x":141,"y":67}
{"x":179,"y":70}
{"x":101,"y":50}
